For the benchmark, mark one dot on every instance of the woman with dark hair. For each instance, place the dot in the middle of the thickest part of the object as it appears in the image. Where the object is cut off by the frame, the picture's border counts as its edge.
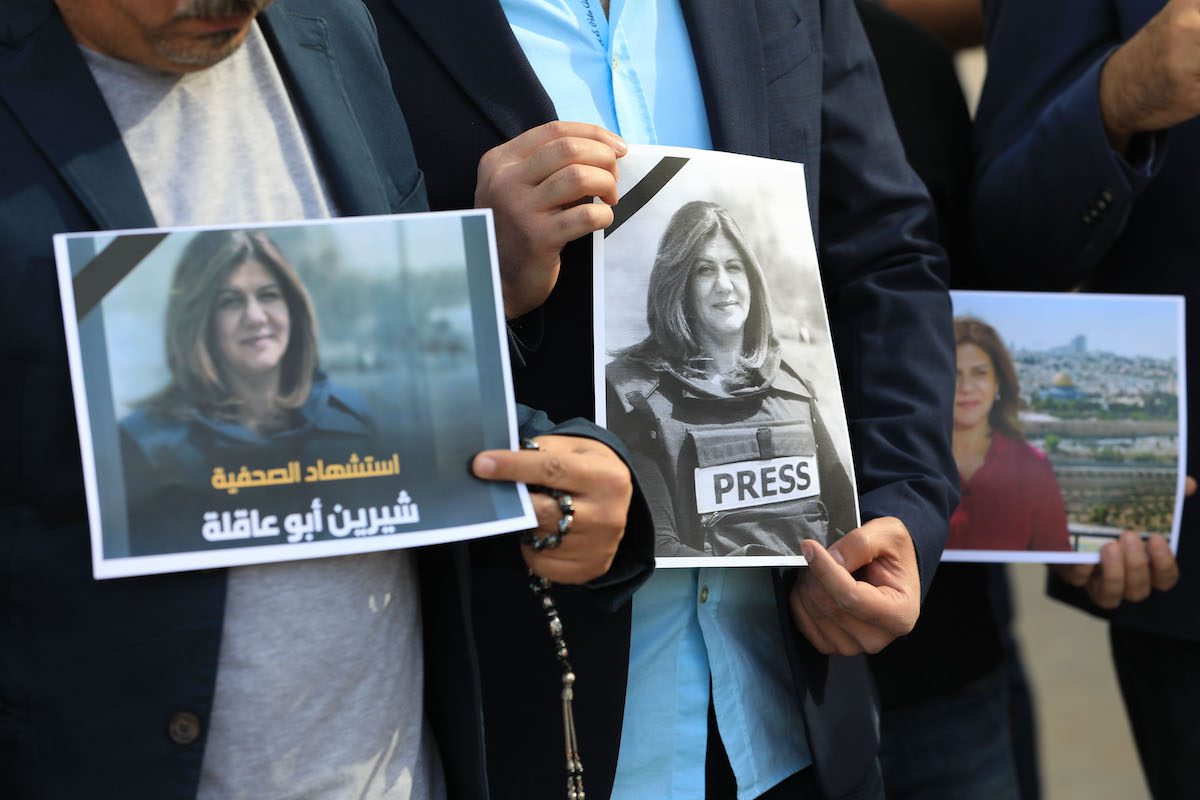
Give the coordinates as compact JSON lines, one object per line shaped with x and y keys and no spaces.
{"x":727,"y":439}
{"x":241,"y":334}
{"x":1010,"y":497}
{"x":241,"y":345}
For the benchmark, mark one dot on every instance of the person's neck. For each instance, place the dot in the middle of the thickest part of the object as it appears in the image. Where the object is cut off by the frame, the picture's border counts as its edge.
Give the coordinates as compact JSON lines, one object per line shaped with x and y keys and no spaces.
{"x":724,"y":354}
{"x":724,"y":363}
{"x":969,"y":443}
{"x":258,"y":400}
{"x":604,"y":5}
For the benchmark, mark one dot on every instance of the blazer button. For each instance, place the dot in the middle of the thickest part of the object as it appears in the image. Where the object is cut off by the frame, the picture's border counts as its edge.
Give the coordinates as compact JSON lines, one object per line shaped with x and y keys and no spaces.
{"x":183,"y":727}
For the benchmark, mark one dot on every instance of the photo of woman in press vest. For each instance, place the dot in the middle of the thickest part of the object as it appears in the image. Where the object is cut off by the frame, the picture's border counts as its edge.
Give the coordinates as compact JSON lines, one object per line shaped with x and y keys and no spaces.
{"x":727,"y":435}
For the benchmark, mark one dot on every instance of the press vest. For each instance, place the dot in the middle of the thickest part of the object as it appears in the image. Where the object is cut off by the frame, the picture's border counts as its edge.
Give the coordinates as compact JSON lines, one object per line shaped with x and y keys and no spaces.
{"x":745,"y":471}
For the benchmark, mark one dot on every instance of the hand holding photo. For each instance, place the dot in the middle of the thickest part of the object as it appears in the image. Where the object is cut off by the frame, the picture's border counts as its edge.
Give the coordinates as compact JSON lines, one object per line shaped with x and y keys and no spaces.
{"x":580,"y":489}
{"x":861,"y":593}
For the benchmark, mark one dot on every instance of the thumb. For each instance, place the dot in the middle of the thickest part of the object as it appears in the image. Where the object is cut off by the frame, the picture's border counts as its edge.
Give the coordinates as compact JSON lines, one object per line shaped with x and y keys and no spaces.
{"x":856,"y":549}
{"x":825,"y":567}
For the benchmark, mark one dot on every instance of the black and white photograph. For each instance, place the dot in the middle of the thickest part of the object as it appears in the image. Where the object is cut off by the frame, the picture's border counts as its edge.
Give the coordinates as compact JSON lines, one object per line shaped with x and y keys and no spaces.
{"x":255,"y":394}
{"x":714,"y":361}
{"x":1069,"y":423}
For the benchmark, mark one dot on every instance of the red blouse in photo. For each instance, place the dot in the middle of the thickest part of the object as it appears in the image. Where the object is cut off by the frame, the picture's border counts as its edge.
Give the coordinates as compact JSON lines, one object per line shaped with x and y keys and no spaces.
{"x":1012,"y":502}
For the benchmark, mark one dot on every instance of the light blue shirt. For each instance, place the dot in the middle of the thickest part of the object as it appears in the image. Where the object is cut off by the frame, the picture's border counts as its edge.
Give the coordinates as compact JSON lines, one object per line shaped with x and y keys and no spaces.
{"x":634,"y":73}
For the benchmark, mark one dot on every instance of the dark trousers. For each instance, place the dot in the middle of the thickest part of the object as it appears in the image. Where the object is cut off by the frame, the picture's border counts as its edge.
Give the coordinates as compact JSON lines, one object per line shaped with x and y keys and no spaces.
{"x":951,"y":748}
{"x":1160,"y":682}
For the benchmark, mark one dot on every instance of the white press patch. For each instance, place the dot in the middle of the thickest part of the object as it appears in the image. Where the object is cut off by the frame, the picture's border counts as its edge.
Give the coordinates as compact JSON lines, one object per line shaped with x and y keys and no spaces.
{"x":756,"y":483}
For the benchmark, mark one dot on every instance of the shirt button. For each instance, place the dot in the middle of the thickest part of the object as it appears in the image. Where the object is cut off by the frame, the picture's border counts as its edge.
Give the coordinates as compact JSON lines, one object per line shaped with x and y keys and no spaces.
{"x":616,"y":63}
{"x":703,"y":594}
{"x":183,"y":727}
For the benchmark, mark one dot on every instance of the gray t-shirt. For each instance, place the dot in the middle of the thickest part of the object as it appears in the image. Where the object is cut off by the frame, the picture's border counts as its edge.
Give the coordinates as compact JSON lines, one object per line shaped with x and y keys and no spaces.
{"x":320,"y":683}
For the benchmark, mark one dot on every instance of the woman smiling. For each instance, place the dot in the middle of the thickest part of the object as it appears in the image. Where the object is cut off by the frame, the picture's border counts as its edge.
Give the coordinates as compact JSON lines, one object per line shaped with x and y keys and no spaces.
{"x":241,"y":333}
{"x":1010,"y":497}
{"x":726,"y":434}
{"x":244,"y":387}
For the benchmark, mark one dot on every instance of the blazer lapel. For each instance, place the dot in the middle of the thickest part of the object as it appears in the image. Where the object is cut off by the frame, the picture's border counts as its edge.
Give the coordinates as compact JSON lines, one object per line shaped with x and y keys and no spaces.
{"x":727,"y":45}
{"x":303,"y":53}
{"x":473,"y":40}
{"x":49,"y":89}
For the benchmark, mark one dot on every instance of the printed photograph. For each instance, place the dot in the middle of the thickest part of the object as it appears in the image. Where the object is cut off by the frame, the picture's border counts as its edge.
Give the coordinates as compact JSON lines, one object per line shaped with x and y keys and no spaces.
{"x":714,"y":362}
{"x":1069,"y":420}
{"x":288,"y":391}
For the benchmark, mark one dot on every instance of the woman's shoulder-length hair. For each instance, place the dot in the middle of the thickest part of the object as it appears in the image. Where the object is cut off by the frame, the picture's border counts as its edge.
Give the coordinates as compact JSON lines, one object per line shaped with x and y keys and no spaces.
{"x":672,"y":343}
{"x":198,"y":384}
{"x":1003,"y":416}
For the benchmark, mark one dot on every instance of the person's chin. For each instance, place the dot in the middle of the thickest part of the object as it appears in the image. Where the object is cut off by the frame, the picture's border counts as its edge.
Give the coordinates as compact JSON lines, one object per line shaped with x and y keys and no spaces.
{"x":732,"y":324}
{"x":969,"y":422}
{"x":265,"y":363}
{"x":189,"y":54}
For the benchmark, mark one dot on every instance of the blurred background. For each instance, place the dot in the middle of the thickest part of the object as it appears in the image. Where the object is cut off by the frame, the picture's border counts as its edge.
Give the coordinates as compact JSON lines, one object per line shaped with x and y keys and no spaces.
{"x":1086,"y":750}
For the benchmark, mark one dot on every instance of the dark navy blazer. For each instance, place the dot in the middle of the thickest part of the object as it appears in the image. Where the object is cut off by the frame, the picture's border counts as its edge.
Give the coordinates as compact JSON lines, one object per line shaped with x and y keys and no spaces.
{"x":92,"y":673}
{"x":789,"y":79}
{"x":1055,"y":206}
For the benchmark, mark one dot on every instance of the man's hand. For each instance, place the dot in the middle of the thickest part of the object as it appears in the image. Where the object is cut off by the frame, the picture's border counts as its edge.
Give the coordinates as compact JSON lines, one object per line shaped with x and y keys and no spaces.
{"x":844,"y":615}
{"x":600,"y":486}
{"x":1128,"y":568}
{"x":540,"y":186}
{"x":1153,"y":81}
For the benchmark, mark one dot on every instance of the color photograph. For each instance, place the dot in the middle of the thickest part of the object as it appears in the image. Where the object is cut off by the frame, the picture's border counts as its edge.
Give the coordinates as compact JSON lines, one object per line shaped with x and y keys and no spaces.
{"x":1069,"y":422}
{"x":247,"y":395}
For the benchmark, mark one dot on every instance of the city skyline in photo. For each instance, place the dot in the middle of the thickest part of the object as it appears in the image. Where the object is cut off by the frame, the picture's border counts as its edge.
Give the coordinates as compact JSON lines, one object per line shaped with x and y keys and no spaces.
{"x":1118,"y":324}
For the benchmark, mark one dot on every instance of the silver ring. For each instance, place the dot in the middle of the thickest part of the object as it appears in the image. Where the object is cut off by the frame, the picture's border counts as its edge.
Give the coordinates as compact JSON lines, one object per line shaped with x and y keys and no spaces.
{"x":564,"y":524}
